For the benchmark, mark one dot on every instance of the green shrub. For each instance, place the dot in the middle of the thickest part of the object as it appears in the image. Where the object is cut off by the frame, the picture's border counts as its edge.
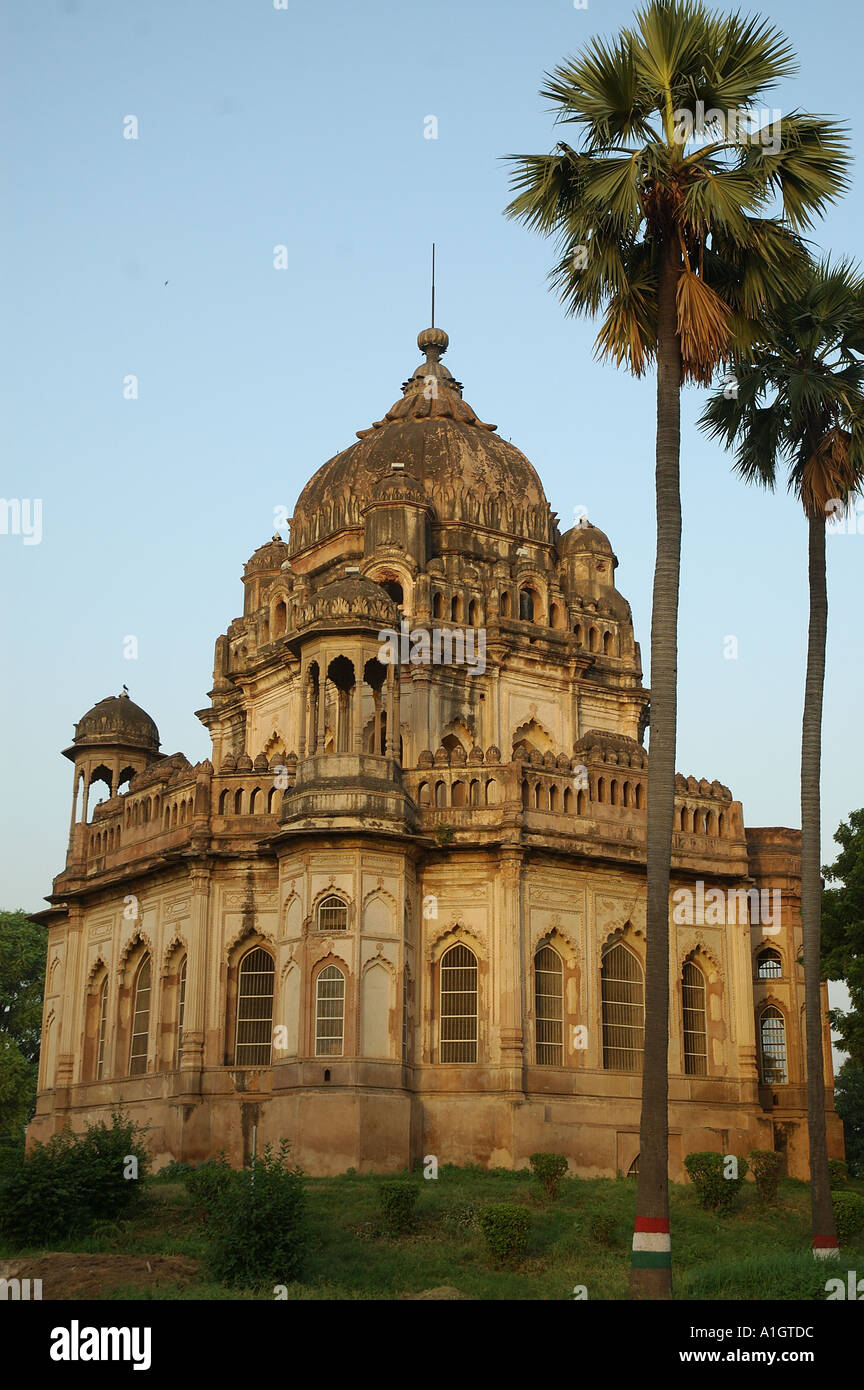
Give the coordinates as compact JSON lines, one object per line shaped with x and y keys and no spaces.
{"x":838,"y":1172}
{"x":550,"y":1169}
{"x":173,"y":1172}
{"x":767,"y":1167}
{"x":706,"y":1171}
{"x":848,"y":1215}
{"x":62,"y":1187}
{"x":397,"y":1202}
{"x":207,"y":1182}
{"x":505,"y":1230}
{"x":256,"y":1222}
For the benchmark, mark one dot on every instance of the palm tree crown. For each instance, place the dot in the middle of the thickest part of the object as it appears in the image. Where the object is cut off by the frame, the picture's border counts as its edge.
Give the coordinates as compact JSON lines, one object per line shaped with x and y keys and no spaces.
{"x":666,"y":154}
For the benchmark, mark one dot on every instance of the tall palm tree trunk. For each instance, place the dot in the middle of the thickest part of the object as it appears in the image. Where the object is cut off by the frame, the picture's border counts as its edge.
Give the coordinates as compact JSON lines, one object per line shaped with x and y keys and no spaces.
{"x":651,"y":1274}
{"x":823,"y":1228}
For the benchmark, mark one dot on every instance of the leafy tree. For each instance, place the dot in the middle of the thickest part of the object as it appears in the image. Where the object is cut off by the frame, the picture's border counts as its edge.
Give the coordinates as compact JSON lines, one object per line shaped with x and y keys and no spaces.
{"x":843,"y":933}
{"x":849,"y":1100}
{"x":23,"y":948}
{"x":682,"y":243}
{"x":799,"y":405}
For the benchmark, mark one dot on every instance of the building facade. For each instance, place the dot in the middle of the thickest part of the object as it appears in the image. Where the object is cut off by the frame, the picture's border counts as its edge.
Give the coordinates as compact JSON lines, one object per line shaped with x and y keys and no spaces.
{"x":401,"y":910}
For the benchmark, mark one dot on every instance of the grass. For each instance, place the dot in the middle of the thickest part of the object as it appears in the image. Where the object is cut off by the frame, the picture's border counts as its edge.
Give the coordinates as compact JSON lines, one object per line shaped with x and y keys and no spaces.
{"x":580,"y":1239}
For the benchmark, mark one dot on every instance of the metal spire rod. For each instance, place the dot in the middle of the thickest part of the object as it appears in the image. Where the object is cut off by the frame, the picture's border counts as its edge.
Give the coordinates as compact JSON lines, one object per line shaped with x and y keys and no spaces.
{"x":433,"y":285}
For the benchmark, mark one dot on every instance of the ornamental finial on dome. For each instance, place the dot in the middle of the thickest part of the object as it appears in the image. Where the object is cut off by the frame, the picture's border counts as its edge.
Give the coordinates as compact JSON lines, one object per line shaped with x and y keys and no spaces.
{"x":434,"y":342}
{"x":431,"y":391}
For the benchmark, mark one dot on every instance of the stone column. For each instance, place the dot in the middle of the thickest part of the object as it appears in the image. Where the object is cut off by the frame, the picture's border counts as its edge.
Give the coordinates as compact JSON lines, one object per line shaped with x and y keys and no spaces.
{"x":422,"y":679}
{"x":322,"y":707}
{"x":376,"y":720}
{"x":390,"y":747}
{"x":303,"y":720}
{"x":357,"y":717}
{"x":194,"y":1006}
{"x":507,"y":962}
{"x":397,"y":710}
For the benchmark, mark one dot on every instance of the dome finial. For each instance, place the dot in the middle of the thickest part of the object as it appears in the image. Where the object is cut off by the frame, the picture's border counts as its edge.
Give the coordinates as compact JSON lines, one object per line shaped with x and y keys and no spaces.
{"x":434,"y":342}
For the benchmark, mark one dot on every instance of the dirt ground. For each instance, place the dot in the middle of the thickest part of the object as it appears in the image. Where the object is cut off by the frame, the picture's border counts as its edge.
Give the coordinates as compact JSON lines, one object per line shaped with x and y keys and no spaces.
{"x":74,"y":1276}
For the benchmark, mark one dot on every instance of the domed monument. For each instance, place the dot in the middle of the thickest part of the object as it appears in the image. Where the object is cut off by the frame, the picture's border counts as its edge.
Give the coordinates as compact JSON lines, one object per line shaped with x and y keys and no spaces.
{"x":400,"y":911}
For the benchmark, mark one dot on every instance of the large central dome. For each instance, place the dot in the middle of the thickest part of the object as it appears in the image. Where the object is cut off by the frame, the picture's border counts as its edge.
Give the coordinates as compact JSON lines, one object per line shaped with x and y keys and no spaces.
{"x":466,"y":472}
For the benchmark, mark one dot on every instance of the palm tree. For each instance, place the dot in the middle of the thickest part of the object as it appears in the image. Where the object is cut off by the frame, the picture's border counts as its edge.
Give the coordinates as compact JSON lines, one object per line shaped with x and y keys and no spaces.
{"x":799,"y":401}
{"x":681,"y":233}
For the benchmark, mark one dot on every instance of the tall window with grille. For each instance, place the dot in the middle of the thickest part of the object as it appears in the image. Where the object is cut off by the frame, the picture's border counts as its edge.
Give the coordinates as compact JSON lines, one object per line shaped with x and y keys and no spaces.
{"x":695,"y":1029}
{"x":330,"y":1012}
{"x":622,"y":988}
{"x":140,"y":1020}
{"x":458,"y":1005}
{"x":254,"y":1009}
{"x":103,"y":1019}
{"x":549,"y":1007}
{"x":181,"y":1007}
{"x":332,"y":914}
{"x":772,"y":1040}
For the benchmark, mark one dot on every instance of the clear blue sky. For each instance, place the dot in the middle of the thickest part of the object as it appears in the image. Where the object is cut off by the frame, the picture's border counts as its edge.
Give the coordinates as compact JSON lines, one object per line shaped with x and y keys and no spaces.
{"x":305,"y":127}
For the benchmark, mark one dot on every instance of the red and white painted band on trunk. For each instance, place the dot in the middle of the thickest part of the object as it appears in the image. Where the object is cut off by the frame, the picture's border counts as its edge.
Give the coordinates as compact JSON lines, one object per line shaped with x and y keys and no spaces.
{"x":825,"y":1242}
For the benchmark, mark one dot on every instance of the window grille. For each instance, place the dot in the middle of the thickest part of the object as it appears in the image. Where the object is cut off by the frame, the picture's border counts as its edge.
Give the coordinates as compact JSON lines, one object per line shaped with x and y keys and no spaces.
{"x":181,"y":1007}
{"x":458,"y":1005}
{"x":549,"y":1007}
{"x":623,"y":1002}
{"x":332,"y":914}
{"x":103,"y":1018}
{"x":140,"y":1020}
{"x":330,"y":1013}
{"x":769,"y":966}
{"x":772,"y":1032}
{"x":695,"y":1029}
{"x":254,"y":1010}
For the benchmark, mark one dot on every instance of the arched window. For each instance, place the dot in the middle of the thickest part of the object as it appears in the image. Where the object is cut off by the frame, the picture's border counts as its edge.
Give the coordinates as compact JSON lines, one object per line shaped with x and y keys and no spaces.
{"x":623,"y":999}
{"x":769,"y":965}
{"x":280,"y":618}
{"x":456,"y":609}
{"x":526,"y":605}
{"x":332,"y":914}
{"x":577,"y":633}
{"x":505,"y":604}
{"x":695,"y":1032}
{"x":181,"y":1007}
{"x":438,"y":606}
{"x":549,"y":1007}
{"x":457,"y":794}
{"x":140,"y":1020}
{"x":608,"y":641}
{"x":593,"y":639}
{"x":103,"y":1019}
{"x":474,"y":612}
{"x":254,"y":1009}
{"x":330,"y":1012}
{"x":458,"y":1012}
{"x":772,"y":1038}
